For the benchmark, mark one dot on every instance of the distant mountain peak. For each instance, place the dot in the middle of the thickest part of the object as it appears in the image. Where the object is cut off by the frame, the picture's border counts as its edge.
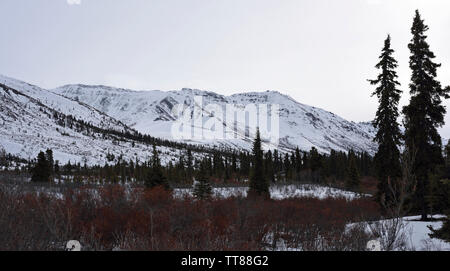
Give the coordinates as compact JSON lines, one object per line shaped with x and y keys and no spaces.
{"x":150,"y":112}
{"x":301,"y":125}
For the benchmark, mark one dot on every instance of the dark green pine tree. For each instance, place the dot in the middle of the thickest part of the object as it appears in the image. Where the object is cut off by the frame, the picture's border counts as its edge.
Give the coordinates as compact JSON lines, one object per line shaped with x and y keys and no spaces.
{"x":41,"y":172}
{"x":189,"y":165}
{"x":315,"y":162}
{"x":287,"y":167}
{"x":156,"y":176}
{"x":268,"y":167}
{"x":424,"y":114}
{"x":3,"y":159}
{"x":353,"y":177}
{"x":234,"y":163}
{"x":202,"y":187}
{"x":50,"y":162}
{"x":56,"y":169}
{"x":259,"y":185}
{"x":298,"y":164}
{"x":387,"y":158}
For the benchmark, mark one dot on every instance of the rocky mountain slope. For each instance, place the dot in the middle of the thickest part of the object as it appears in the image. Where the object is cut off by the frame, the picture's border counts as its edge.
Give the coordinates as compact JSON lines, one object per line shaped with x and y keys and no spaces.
{"x":301,"y":125}
{"x":33,"y":119}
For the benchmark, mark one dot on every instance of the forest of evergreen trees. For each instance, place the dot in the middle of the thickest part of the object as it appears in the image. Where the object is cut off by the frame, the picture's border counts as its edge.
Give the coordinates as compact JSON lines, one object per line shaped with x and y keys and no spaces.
{"x":237,"y":168}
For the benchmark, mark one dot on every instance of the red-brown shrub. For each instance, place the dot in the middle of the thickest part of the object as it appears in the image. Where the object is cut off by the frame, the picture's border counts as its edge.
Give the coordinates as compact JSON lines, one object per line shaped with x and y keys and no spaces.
{"x":113,"y":217}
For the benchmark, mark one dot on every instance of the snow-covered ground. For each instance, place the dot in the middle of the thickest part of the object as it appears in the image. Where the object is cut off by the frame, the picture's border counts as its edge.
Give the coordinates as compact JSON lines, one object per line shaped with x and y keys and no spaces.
{"x":412,"y":234}
{"x":417,"y":235}
{"x":278,"y":192}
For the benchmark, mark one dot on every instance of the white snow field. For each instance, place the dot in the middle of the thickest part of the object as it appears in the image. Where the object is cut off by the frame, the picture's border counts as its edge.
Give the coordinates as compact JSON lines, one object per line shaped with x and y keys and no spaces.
{"x":418,"y":238}
{"x":278,"y":192}
{"x":413,"y":235}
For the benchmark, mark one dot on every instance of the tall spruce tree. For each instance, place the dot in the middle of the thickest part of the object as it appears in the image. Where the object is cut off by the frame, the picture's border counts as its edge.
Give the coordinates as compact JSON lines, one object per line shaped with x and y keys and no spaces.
{"x":202,"y":187}
{"x":424,"y":114}
{"x":3,"y":159}
{"x":156,"y":176}
{"x":41,"y":171}
{"x":50,"y":162}
{"x":259,"y":185}
{"x":387,"y":158}
{"x":298,"y":164}
{"x":353,"y":178}
{"x":268,"y":167}
{"x":189,"y":164}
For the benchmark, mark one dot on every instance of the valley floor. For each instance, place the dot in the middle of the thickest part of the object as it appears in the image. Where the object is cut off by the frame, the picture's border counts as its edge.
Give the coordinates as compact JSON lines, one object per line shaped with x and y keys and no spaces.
{"x":301,"y":217}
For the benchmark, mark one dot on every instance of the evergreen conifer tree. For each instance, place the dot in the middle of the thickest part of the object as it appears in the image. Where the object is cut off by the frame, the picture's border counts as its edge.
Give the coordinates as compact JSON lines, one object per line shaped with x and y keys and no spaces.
{"x":3,"y":160}
{"x":353,"y":177}
{"x":387,"y":158}
{"x":298,"y":164}
{"x":189,"y":164}
{"x":50,"y":162}
{"x":57,"y":170}
{"x":259,"y":185}
{"x":202,"y":187}
{"x":41,"y":172}
{"x":156,"y":176}
{"x":268,"y":167}
{"x":424,"y":114}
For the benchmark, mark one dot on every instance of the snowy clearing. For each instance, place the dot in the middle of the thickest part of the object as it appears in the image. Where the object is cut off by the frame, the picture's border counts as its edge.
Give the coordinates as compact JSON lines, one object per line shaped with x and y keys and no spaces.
{"x":417,"y":234}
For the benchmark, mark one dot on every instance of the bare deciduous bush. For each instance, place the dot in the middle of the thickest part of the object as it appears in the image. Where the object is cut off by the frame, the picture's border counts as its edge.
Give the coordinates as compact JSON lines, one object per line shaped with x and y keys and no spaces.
{"x":112,"y":218}
{"x":392,"y":232}
{"x":322,"y":224}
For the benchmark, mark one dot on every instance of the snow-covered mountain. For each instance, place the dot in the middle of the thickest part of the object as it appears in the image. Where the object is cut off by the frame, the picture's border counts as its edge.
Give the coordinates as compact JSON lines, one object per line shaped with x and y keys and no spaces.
{"x":150,"y":112}
{"x":34,"y":119}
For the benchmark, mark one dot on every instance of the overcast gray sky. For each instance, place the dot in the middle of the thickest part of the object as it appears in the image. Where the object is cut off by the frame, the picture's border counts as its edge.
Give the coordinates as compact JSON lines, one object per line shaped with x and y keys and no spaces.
{"x":320,"y":52}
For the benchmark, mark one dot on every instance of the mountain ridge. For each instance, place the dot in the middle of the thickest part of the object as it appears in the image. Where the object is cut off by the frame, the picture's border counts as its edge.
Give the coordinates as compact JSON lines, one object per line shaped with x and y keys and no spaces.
{"x":152,"y":115}
{"x":150,"y":112}
{"x":31,"y":122}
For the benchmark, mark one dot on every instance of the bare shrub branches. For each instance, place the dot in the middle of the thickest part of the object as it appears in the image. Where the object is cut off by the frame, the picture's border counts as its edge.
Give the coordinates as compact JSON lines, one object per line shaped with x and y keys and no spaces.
{"x":112,"y":218}
{"x":392,"y":231}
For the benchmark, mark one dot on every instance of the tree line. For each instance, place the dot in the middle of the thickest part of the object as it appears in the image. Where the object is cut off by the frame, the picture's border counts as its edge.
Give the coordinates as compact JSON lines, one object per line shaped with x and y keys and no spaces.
{"x":258,"y":170}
